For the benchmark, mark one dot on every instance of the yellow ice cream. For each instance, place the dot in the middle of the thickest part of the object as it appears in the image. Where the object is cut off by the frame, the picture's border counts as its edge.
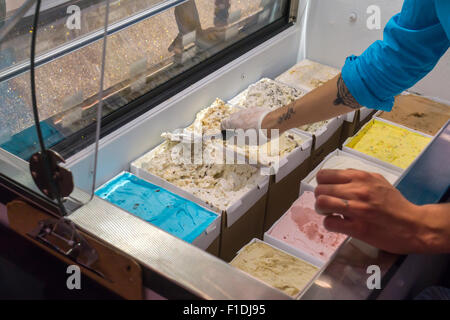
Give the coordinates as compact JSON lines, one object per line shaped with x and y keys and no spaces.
{"x":276,"y":268}
{"x":389,"y":143}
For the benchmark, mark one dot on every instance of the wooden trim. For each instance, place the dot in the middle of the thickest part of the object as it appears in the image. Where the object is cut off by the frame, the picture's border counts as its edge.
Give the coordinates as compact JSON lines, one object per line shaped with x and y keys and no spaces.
{"x":123,"y":275}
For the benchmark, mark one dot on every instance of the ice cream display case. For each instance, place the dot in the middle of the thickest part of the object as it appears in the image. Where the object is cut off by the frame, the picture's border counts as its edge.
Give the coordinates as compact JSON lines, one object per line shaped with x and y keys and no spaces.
{"x":94,"y":96}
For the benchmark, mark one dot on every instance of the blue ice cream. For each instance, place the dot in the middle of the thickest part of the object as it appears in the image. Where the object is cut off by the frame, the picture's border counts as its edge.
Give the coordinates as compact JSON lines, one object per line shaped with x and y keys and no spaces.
{"x":174,"y":214}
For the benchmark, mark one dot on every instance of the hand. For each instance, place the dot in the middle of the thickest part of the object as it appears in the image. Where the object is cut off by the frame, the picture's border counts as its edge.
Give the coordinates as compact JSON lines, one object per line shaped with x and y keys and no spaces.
{"x":245,"y":119}
{"x":372,"y":210}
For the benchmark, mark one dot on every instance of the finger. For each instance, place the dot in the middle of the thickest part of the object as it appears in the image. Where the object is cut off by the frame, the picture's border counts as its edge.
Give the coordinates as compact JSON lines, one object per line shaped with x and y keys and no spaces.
{"x":342,"y":191}
{"x":327,"y":205}
{"x":329,"y":176}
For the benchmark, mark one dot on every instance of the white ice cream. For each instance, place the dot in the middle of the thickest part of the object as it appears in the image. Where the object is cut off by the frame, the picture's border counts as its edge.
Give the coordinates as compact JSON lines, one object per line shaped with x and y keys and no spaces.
{"x":267,"y":93}
{"x":217,"y":184}
{"x":208,"y":120}
{"x":314,"y":127}
{"x":308,"y":75}
{"x":205,"y":176}
{"x":342,"y":162}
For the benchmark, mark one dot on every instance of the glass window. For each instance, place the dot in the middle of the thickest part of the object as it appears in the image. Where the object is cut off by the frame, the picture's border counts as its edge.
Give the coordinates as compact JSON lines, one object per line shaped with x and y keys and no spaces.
{"x":59,"y":23}
{"x":149,"y":43}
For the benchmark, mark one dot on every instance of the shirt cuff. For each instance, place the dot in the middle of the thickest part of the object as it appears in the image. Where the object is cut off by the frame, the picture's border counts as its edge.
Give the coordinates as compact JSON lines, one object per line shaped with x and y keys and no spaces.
{"x":359,"y":90}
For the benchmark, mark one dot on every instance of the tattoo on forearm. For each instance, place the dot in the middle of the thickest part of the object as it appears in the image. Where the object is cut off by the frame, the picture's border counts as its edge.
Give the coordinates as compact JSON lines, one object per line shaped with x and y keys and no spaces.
{"x":287,"y":115}
{"x":344,"y":96}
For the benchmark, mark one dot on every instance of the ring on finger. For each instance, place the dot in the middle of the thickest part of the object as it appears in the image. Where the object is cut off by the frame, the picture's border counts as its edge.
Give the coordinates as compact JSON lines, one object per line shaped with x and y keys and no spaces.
{"x":346,"y":203}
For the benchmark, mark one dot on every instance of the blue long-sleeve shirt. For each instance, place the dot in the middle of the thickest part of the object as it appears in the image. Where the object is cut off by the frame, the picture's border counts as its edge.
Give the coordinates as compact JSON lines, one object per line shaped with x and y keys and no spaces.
{"x":414,"y":41}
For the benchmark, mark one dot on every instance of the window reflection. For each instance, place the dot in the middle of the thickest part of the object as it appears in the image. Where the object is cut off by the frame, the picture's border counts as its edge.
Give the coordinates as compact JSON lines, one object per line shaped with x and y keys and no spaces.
{"x":53,"y":30}
{"x":139,"y":57}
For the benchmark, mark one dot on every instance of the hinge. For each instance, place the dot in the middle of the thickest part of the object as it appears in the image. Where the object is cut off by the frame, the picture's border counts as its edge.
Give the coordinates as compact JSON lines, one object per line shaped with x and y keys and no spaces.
{"x":62,"y":236}
{"x":293,"y":10}
{"x":58,"y":183}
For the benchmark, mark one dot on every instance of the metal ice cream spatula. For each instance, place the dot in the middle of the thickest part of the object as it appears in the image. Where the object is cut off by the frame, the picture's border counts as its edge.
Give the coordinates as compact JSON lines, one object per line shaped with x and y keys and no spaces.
{"x":190,"y":137}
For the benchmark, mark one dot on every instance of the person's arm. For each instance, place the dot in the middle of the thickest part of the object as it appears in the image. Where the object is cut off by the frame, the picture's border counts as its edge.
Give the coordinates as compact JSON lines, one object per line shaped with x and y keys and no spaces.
{"x":328,"y":101}
{"x":375,"y":212}
{"x":414,"y":41}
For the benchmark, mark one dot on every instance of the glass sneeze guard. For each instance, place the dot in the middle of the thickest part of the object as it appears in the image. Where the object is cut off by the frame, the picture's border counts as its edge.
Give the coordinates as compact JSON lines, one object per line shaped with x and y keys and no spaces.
{"x":149,"y":44}
{"x":25,"y":155}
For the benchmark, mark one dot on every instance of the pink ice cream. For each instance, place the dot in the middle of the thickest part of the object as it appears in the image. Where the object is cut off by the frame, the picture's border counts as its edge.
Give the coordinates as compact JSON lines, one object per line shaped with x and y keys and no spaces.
{"x":302,"y":228}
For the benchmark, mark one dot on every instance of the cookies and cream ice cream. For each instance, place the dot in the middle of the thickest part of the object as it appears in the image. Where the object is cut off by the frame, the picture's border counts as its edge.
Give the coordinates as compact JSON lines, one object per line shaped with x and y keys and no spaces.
{"x":308,"y":74}
{"x":302,"y":228}
{"x":208,"y":178}
{"x":418,"y":113}
{"x":200,"y":168}
{"x":208,"y":120}
{"x":389,"y":143}
{"x":274,"y":267}
{"x":342,"y":162}
{"x":267,"y":93}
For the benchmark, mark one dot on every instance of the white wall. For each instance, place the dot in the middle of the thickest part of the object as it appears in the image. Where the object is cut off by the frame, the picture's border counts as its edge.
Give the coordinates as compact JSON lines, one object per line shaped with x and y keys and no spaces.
{"x":331,"y":37}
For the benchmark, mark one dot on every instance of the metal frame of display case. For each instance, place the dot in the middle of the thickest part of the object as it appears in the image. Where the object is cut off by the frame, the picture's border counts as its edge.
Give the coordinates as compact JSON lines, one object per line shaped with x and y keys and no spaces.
{"x":87,"y":39}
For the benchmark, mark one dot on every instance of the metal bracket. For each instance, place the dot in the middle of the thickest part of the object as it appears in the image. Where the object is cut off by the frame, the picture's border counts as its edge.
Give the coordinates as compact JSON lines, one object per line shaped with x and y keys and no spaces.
{"x":293,"y":10}
{"x":111,"y":268}
{"x":62,"y":236}
{"x":62,"y":177}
